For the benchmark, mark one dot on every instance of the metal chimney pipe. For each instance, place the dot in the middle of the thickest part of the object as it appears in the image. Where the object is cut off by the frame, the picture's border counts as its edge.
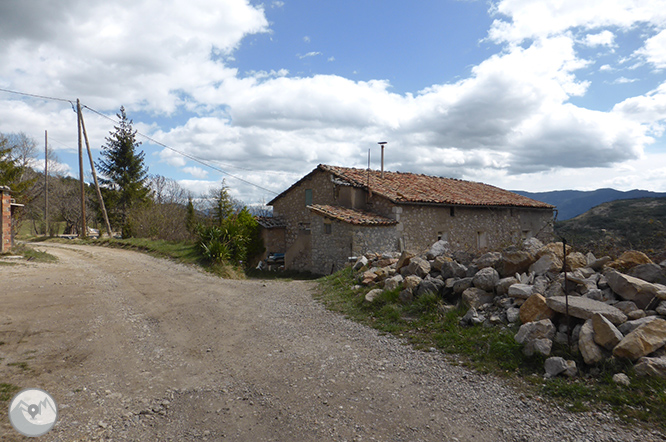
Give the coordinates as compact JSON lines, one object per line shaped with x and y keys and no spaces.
{"x":382,"y":143}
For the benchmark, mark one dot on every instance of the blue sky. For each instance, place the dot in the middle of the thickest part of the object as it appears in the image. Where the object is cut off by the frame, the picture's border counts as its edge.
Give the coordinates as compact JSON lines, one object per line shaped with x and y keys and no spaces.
{"x":521,"y":94}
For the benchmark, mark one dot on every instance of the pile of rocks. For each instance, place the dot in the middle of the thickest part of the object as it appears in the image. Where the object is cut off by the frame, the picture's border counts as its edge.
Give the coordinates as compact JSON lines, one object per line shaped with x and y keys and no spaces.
{"x":605,"y":308}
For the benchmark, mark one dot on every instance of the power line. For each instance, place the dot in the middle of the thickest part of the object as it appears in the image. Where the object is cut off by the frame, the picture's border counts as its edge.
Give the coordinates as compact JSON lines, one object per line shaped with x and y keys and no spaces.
{"x":186,"y":155}
{"x":37,"y":96}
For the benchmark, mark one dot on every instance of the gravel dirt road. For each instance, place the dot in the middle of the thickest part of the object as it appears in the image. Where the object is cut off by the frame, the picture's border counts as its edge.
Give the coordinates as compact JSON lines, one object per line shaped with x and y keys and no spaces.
{"x":138,"y":348}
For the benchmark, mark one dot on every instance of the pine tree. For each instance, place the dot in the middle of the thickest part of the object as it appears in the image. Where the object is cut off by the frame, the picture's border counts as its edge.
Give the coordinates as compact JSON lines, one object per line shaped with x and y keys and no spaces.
{"x":124,"y":172}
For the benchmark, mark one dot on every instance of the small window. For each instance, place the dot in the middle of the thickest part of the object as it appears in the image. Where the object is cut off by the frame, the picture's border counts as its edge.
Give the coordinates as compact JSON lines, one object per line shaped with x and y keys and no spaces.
{"x":481,"y":240}
{"x":328,"y":228}
{"x":308,"y":197}
{"x":453,"y":211}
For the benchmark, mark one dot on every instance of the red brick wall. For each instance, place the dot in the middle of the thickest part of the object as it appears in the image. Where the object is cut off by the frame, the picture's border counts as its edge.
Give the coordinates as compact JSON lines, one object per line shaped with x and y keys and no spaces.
{"x":6,"y":220}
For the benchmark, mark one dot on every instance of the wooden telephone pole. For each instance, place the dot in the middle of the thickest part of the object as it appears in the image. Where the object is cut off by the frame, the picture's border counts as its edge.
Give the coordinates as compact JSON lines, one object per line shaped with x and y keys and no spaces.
{"x":46,"y":182}
{"x":83,"y":232}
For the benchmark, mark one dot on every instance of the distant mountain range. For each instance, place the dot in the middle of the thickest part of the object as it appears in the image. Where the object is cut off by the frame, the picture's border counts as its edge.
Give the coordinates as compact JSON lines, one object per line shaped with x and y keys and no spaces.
{"x":571,"y":203}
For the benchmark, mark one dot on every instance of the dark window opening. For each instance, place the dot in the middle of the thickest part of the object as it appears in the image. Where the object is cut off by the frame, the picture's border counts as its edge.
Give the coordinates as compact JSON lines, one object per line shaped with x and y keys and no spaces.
{"x":308,"y":197}
{"x":453,"y":211}
{"x":328,"y":228}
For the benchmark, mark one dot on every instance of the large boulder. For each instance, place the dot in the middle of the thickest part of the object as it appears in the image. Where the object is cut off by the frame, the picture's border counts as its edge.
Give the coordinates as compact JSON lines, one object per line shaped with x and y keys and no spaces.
{"x":486,"y":279}
{"x":536,"y":337}
{"x":428,"y":285}
{"x":372,"y":295}
{"x":548,"y":262}
{"x":632,"y":325}
{"x":393,"y":283}
{"x":553,"y":247}
{"x":474,"y":297}
{"x":411,"y":282}
{"x":655,"y":367}
{"x":461,"y":285}
{"x":521,"y":291}
{"x":532,"y":245}
{"x":490,"y":259}
{"x":417,"y":266}
{"x":535,"y":309}
{"x":642,"y":341}
{"x":605,"y":333}
{"x":585,"y":308}
{"x":649,"y":272}
{"x":634,"y":289}
{"x":589,"y":349}
{"x":630,"y":259}
{"x":360,"y":263}
{"x":440,"y":248}
{"x":514,"y":261}
{"x":502,"y":287}
{"x":576,"y":260}
{"x":404,"y":260}
{"x":449,"y":268}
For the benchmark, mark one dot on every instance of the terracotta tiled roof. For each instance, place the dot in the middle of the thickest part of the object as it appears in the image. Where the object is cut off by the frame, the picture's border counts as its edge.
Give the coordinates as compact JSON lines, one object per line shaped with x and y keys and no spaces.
{"x":423,"y":189}
{"x":352,"y":216}
{"x":269,"y":222}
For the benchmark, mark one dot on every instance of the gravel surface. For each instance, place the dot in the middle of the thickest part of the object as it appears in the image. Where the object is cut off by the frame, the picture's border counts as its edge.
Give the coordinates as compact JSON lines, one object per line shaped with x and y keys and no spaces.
{"x":138,"y":348}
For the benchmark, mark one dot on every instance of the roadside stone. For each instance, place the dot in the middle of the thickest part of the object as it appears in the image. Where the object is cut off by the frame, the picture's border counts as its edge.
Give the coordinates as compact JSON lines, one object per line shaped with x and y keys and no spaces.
{"x":440,"y":248}
{"x":576,"y":260}
{"x":554,"y":366}
{"x":553,"y":247}
{"x":630,"y":288}
{"x":411,"y":282}
{"x":472,"y":317}
{"x":589,"y":349}
{"x":369,"y":277}
{"x":406,"y":296}
{"x":475,"y":297}
{"x":547,"y":263}
{"x":605,"y":333}
{"x":626,"y":306}
{"x":490,"y":259}
{"x":642,"y":341}
{"x":514,"y":261}
{"x":532,"y":245}
{"x":449,"y":268}
{"x":393,"y":282}
{"x":636,"y":314}
{"x":535,"y":309}
{"x":536,"y":337}
{"x":661,"y":308}
{"x":417,"y":266}
{"x":404,"y":260}
{"x":622,"y":379}
{"x":630,"y":326}
{"x":585,"y":308}
{"x":555,"y":288}
{"x":512,"y":314}
{"x":649,"y":272}
{"x":521,"y":291}
{"x":502,"y":287}
{"x":486,"y":279}
{"x":461,"y":285}
{"x":426,"y":286}
{"x":655,"y":367}
{"x":360,"y":263}
{"x":372,"y":295}
{"x":630,"y":259}
{"x":571,"y":369}
{"x":598,"y":264}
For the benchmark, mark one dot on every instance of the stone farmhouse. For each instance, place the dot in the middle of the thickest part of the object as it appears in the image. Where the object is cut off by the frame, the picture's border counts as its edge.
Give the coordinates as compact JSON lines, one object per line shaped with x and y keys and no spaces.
{"x":334,"y":213}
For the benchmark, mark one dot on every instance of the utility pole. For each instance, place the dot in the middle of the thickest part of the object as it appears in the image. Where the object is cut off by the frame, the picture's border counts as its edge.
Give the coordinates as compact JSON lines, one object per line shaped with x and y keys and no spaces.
{"x":46,"y":182}
{"x":82,"y":233}
{"x":94,"y":174}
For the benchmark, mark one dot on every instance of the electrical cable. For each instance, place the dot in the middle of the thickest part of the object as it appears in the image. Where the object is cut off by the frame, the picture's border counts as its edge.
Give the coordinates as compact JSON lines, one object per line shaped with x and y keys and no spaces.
{"x":37,"y":96}
{"x":186,"y":155}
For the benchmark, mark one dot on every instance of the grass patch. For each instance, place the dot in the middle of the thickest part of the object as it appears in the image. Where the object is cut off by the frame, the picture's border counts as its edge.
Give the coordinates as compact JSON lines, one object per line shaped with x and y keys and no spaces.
{"x":22,"y":365}
{"x":7,"y":391}
{"x":428,"y":323}
{"x":31,"y":254}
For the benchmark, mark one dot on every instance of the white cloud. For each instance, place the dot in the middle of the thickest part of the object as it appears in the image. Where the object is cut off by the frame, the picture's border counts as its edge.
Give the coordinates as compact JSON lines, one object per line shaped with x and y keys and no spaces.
{"x":603,"y":38}
{"x":624,"y":80}
{"x":654,"y":50}
{"x":309,"y":54}
{"x":648,"y":109}
{"x":606,"y":68}
{"x":519,"y":20}
{"x":196,"y":172}
{"x":306,"y":39}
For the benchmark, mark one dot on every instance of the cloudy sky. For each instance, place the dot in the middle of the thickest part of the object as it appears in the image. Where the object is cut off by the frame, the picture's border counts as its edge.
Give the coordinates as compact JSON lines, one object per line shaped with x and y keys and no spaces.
{"x":523,"y":94}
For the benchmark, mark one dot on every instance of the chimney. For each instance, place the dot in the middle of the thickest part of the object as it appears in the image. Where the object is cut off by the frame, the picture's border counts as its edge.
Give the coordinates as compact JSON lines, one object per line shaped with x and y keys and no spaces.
{"x":382,"y":143}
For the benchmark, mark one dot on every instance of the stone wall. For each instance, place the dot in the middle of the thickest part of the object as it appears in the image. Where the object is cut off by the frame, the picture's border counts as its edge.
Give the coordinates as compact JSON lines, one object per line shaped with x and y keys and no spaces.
{"x":274,"y":240}
{"x":474,"y":229}
{"x":333,"y":245}
{"x":5,"y":219}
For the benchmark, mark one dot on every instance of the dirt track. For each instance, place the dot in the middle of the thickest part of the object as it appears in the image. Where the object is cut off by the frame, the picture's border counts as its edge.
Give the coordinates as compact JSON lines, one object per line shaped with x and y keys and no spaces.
{"x":137,"y":348}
